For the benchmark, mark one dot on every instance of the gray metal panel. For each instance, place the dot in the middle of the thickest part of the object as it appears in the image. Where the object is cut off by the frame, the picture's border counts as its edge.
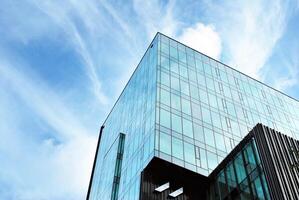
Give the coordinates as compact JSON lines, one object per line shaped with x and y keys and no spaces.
{"x":277,"y":160}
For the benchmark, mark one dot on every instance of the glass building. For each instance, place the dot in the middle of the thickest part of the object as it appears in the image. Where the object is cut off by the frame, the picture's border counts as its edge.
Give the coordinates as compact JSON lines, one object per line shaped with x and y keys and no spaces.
{"x":185,"y":108}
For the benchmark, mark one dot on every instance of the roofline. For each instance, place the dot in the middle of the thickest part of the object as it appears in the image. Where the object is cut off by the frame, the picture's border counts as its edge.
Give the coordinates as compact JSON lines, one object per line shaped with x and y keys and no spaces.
{"x":130,"y":78}
{"x":200,"y":53}
{"x":229,"y":67}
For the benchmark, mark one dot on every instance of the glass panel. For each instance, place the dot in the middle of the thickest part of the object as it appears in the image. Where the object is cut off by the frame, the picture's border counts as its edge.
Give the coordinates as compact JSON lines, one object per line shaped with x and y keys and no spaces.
{"x":187,"y":128}
{"x":222,"y":185}
{"x":209,"y":137}
{"x":174,"y":66}
{"x":185,"y":87}
{"x":240,"y":169}
{"x":165,"y":118}
{"x":165,"y":79}
{"x":186,"y":107}
{"x":198,"y":132}
{"x":175,"y":102}
{"x":231,"y":178}
{"x":175,"y":84}
{"x":177,"y":148}
{"x":165,"y":97}
{"x":165,"y":143}
{"x":189,"y":153}
{"x":219,"y":142}
{"x":212,"y":160}
{"x":176,"y":123}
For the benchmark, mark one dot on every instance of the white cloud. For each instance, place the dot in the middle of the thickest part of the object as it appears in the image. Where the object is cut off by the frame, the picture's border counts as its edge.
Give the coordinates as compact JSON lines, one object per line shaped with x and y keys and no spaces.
{"x":289,"y":62}
{"x":42,"y":170}
{"x":203,"y":38}
{"x":249,"y":31}
{"x":67,"y":16}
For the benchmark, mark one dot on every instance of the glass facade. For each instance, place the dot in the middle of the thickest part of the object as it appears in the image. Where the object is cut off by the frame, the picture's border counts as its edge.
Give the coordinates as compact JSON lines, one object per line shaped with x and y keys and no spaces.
{"x":204,"y":108}
{"x":242,"y":178}
{"x":186,"y":108}
{"x":134,"y":116}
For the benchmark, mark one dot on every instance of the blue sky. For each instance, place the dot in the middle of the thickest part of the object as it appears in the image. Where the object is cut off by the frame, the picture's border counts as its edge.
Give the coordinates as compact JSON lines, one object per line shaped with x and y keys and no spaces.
{"x":64,"y":63}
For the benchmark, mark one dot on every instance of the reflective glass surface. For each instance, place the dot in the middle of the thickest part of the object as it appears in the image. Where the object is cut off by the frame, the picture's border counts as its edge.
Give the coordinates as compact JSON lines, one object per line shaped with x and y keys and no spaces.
{"x":134,"y":116}
{"x":209,"y":107}
{"x":243,"y":178}
{"x":191,"y":110}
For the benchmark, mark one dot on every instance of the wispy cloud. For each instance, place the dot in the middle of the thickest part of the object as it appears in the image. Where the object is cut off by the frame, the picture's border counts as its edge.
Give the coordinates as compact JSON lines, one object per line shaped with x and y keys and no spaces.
{"x":109,"y":39}
{"x":157,"y":16}
{"x":289,"y":64}
{"x":249,"y":31}
{"x":44,"y":163}
{"x":68,"y":18}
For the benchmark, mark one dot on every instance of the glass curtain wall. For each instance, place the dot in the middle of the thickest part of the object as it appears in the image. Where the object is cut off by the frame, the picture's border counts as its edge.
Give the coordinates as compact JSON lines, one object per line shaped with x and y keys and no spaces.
{"x":242,"y":178}
{"x":133,"y":115}
{"x":204,"y":108}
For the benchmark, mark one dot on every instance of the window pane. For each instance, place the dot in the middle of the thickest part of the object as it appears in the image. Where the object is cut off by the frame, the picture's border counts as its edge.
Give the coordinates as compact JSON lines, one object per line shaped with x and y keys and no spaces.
{"x":165,"y":143}
{"x":212,"y":160}
{"x":177,"y":148}
{"x":164,"y":62}
{"x":210,"y":84}
{"x":174,"y":66}
{"x":213,"y":100}
{"x":209,"y":137}
{"x":190,"y":60}
{"x":206,"y":115}
{"x":186,"y":107}
{"x":216,"y":120}
{"x":182,"y":56}
{"x":175,"y":84}
{"x":196,"y":111}
{"x":165,"y":79}
{"x":231,"y":178}
{"x":165,"y":118}
{"x":219,"y":142}
{"x":164,"y":48}
{"x":183,"y":72}
{"x":173,"y":52}
{"x":203,"y":96}
{"x":189,"y":153}
{"x":185,"y":87}
{"x":198,"y":133}
{"x":194,"y":92}
{"x":192,"y":76}
{"x":198,"y":65}
{"x":175,"y":102}
{"x":176,"y":123}
{"x":165,"y":97}
{"x":187,"y":128}
{"x":259,"y":189}
{"x":203,"y":158}
{"x":240,"y":170}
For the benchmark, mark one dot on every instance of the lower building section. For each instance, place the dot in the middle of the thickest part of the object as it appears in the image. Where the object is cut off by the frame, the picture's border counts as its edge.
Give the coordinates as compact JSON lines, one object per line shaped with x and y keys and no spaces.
{"x":264,"y":165}
{"x":280,"y":157}
{"x":162,"y":180}
{"x":240,"y":175}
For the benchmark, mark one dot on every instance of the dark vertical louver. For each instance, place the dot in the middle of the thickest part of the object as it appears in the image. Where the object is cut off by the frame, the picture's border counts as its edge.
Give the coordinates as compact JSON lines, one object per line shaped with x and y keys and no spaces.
{"x":278,"y":154}
{"x":94,"y":162}
{"x":118,"y":164}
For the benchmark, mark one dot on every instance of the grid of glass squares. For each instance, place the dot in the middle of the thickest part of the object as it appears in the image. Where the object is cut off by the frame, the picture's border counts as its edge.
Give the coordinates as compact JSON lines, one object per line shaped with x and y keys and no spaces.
{"x":242,"y":178}
{"x":204,"y":108}
{"x":133,"y":115}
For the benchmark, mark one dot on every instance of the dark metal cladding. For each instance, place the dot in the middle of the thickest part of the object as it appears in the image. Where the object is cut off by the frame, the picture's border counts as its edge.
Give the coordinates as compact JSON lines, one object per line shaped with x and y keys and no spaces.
{"x":159,"y":172}
{"x":278,"y":154}
{"x":94,"y":162}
